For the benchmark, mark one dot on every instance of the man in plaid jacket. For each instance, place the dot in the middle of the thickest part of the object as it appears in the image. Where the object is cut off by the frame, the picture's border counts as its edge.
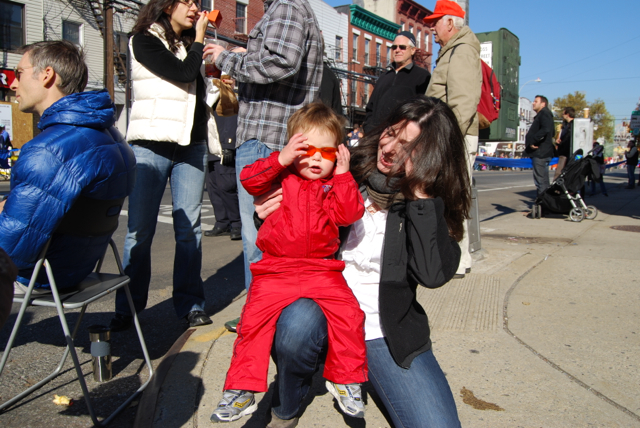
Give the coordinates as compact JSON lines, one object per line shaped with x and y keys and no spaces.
{"x":279,"y":73}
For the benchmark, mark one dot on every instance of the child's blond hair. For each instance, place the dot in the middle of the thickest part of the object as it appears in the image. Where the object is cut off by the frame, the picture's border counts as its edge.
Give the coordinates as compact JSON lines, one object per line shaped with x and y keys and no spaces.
{"x":317,"y":116}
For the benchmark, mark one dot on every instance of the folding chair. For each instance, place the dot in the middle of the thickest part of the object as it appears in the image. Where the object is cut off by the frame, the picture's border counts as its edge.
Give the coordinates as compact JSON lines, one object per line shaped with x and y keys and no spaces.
{"x":89,"y":218}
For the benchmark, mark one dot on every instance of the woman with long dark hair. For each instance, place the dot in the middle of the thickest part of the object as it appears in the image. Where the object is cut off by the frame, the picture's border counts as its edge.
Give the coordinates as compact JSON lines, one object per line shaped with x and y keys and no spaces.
{"x":170,"y":127}
{"x":413,"y":177}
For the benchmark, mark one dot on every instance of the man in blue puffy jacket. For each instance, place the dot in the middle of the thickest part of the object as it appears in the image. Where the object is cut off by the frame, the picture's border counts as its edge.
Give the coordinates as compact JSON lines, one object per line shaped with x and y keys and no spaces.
{"x":78,"y":154}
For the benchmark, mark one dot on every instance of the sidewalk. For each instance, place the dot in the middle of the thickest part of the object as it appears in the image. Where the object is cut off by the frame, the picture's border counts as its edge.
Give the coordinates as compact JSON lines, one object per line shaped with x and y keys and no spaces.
{"x":543,"y":333}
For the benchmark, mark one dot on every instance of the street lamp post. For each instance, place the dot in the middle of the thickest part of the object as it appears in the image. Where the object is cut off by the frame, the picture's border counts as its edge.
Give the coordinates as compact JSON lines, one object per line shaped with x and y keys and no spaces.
{"x":538,"y":80}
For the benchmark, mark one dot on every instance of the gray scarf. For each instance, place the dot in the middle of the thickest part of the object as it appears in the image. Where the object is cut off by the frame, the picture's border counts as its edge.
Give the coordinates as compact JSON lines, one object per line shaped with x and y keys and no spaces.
{"x":383,"y":195}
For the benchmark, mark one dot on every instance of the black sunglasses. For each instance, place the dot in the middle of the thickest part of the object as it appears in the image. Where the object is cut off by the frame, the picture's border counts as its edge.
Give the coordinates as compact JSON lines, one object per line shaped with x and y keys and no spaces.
{"x":402,"y":47}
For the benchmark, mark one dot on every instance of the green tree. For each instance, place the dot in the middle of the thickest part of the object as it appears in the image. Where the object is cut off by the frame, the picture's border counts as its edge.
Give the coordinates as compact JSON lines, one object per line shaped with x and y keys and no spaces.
{"x":577,"y":100}
{"x":603,"y":121}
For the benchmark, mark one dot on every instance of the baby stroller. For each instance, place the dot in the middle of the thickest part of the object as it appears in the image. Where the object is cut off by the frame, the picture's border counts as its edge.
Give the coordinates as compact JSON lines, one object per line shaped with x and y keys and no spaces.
{"x":563,"y":195}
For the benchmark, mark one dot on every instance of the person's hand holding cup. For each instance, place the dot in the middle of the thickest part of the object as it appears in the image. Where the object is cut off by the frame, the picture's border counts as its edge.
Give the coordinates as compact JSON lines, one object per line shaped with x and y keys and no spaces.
{"x":213,"y":48}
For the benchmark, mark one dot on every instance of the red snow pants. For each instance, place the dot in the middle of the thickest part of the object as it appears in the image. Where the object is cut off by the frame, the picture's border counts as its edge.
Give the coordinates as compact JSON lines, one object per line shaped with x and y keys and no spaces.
{"x":278,"y":282}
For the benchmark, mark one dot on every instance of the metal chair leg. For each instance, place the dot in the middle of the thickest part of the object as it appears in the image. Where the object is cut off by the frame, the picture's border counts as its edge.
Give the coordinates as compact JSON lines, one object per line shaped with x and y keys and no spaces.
{"x":54,"y":373}
{"x":143,"y":345}
{"x":70,"y":348}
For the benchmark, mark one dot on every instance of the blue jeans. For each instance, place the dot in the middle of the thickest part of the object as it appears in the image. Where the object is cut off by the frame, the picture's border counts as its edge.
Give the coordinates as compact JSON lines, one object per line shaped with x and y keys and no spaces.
{"x":249,"y":152}
{"x":416,"y":397}
{"x":541,"y":173}
{"x":185,"y":167}
{"x":631,"y":169}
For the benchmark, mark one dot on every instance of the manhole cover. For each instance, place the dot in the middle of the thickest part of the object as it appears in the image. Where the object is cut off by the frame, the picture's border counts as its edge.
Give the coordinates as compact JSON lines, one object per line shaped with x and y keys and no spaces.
{"x":627,"y":228}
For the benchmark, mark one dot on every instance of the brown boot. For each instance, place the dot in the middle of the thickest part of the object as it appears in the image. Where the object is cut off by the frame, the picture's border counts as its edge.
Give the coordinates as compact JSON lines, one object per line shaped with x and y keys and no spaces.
{"x":276,"y":422}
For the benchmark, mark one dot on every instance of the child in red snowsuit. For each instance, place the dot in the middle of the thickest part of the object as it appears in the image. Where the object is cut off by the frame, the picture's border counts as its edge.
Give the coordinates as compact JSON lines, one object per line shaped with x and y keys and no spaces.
{"x":299,"y":242}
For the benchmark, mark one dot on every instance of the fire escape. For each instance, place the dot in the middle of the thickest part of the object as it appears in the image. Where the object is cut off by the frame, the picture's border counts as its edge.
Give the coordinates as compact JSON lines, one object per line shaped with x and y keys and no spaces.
{"x":115,"y":60}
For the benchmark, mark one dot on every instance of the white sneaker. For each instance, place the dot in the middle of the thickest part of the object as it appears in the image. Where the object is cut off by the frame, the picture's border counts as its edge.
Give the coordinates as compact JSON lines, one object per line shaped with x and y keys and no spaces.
{"x":235,"y":404}
{"x":19,"y":289}
{"x":349,"y":398}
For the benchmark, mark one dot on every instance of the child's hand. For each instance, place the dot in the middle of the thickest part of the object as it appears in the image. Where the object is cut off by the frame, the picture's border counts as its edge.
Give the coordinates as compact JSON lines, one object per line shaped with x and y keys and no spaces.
{"x":296,"y":147}
{"x":343,"y":156}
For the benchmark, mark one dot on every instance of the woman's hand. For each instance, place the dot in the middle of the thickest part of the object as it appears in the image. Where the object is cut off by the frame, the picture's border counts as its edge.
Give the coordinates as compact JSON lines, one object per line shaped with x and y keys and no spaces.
{"x":201,"y":27}
{"x":343,"y":157}
{"x":296,"y":146}
{"x":268,"y":202}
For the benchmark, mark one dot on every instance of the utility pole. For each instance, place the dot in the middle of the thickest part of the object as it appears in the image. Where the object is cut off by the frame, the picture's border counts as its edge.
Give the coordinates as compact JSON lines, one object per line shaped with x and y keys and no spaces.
{"x":464,"y":4}
{"x":108,"y":46}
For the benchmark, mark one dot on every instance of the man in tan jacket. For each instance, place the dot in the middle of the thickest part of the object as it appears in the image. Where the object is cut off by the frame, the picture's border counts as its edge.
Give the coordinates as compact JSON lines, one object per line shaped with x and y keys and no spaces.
{"x":457,"y":80}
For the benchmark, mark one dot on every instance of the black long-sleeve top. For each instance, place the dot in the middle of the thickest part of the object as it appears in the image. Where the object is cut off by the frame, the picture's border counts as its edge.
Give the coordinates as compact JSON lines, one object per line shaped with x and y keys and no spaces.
{"x":152,"y":53}
{"x":566,"y":135}
{"x":394,"y":88}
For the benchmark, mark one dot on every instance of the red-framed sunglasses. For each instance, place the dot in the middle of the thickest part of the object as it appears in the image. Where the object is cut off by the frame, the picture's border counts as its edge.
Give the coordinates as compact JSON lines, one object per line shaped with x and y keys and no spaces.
{"x":329,"y":153}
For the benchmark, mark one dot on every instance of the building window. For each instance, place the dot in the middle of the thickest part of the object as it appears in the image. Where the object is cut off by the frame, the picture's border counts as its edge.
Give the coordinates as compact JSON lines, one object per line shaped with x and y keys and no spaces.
{"x":411,"y":29}
{"x":72,"y":31}
{"x":354,"y":92}
{"x":402,"y":23}
{"x":367,"y":43}
{"x":388,"y":55}
{"x":365,"y":99}
{"x":378,"y":59}
{"x":338,"y":53}
{"x":419,"y":38}
{"x":426,"y":40}
{"x":241,"y":18}
{"x":11,"y":25}
{"x":355,"y":47}
{"x":206,"y":5}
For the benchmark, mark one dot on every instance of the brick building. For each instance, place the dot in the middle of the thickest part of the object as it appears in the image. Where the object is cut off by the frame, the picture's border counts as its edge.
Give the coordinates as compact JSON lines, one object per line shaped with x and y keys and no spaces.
{"x":238,"y":17}
{"x":409,"y":15}
{"x":369,"y":47}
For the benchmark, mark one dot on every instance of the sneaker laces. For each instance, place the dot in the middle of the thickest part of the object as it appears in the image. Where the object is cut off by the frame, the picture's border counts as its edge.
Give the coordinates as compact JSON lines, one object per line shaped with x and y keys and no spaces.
{"x":229,"y":396}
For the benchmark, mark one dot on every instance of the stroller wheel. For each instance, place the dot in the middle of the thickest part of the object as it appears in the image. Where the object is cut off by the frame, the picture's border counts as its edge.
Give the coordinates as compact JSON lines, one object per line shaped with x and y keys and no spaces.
{"x":576,"y":214}
{"x":591,"y":213}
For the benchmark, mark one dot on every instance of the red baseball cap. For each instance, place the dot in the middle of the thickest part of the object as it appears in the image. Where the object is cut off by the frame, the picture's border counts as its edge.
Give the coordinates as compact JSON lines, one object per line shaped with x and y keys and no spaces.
{"x":445,"y":7}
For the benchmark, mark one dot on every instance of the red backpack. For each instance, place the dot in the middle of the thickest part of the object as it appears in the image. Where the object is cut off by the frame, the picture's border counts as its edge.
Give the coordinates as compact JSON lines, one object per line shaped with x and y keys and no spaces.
{"x":489,"y":105}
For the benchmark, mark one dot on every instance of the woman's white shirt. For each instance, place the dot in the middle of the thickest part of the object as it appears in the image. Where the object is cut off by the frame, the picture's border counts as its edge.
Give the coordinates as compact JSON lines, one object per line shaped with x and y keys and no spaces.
{"x":362,"y":255}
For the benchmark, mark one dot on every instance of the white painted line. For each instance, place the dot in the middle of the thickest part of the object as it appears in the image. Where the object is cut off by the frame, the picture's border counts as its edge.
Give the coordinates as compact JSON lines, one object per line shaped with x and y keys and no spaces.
{"x":169,"y":220}
{"x":505,"y":188}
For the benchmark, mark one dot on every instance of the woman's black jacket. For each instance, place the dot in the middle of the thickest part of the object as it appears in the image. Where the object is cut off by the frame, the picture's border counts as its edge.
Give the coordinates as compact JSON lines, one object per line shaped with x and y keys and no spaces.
{"x":417,"y":250}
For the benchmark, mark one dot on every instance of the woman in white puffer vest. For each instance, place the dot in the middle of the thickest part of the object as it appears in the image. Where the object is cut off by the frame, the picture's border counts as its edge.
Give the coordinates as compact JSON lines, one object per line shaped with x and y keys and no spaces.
{"x":170,"y":128}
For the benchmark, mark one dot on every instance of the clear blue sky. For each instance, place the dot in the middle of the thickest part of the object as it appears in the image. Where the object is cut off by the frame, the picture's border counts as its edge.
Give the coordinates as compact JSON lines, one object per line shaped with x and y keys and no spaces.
{"x":572,"y":45}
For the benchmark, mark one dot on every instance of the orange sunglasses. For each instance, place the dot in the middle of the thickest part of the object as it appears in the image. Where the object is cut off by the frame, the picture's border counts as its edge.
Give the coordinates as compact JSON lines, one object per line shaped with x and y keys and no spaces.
{"x":329,"y":153}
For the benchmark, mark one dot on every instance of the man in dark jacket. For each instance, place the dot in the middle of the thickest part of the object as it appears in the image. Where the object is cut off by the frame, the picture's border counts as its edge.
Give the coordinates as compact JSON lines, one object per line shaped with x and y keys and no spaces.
{"x":632,"y":162}
{"x":222,"y":186}
{"x":78,"y":155}
{"x":403,"y":81}
{"x":564,"y":140}
{"x":539,"y":142}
